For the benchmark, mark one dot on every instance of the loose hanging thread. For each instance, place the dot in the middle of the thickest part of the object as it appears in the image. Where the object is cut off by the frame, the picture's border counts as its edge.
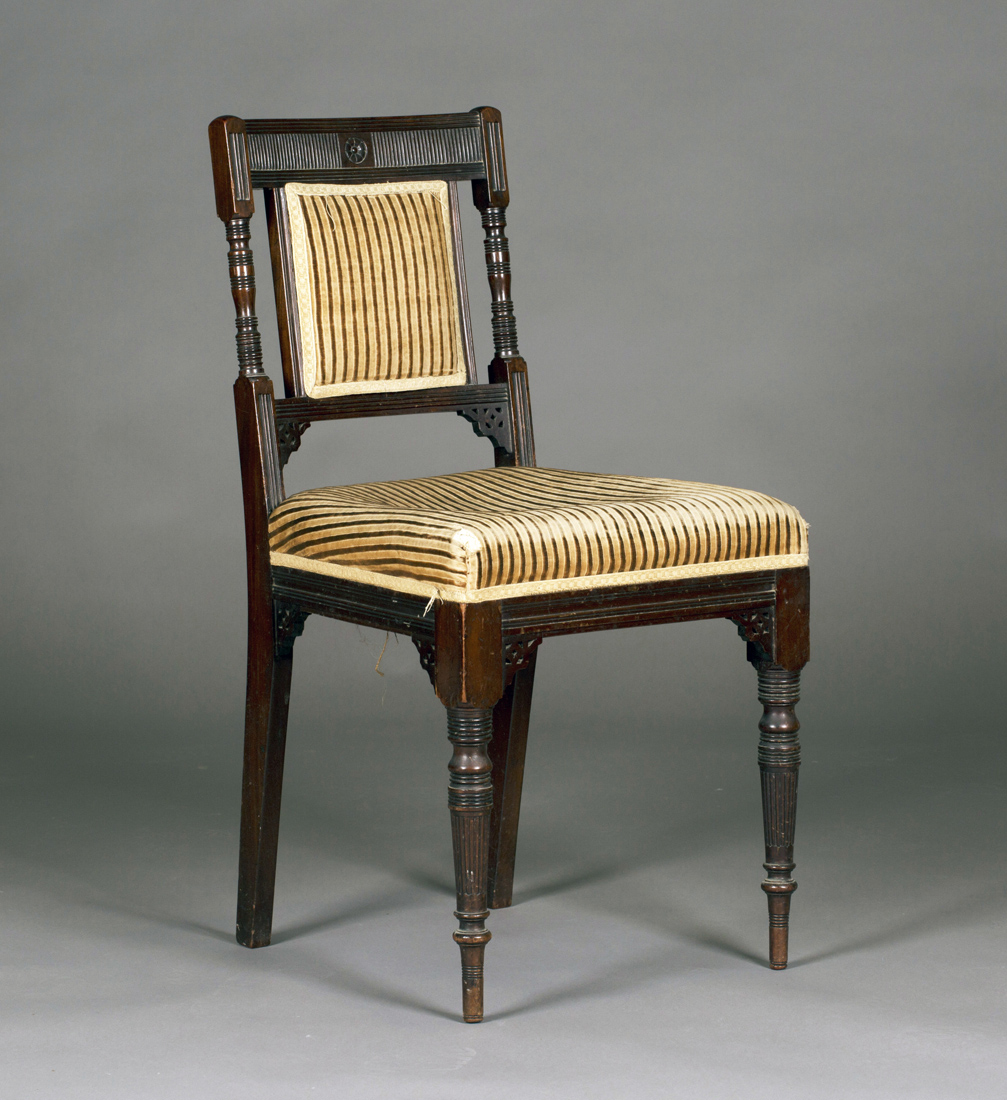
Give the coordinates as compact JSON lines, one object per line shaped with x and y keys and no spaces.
{"x":377,"y":667}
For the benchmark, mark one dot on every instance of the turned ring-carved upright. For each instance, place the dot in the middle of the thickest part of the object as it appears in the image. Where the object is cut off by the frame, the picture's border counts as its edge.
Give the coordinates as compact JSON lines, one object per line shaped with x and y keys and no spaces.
{"x":242,"y":271}
{"x":779,"y":759}
{"x":497,"y":248}
{"x":470,"y":800}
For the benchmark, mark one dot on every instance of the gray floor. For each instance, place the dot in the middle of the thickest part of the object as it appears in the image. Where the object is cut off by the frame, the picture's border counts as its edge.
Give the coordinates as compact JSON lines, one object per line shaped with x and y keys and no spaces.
{"x":633,"y":963}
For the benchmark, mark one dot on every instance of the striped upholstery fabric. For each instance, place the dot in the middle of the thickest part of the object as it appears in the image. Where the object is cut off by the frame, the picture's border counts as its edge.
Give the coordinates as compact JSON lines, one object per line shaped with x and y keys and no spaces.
{"x":511,"y":531}
{"x":374,"y":274}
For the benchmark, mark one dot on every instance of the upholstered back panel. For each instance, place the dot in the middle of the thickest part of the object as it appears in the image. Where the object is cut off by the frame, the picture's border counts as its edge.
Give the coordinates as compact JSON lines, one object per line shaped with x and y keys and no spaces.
{"x":377,"y":297}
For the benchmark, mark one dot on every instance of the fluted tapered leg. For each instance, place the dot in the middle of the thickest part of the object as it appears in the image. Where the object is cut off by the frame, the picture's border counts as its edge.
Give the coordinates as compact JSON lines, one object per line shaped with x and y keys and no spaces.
{"x":779,"y":759}
{"x":470,"y":800}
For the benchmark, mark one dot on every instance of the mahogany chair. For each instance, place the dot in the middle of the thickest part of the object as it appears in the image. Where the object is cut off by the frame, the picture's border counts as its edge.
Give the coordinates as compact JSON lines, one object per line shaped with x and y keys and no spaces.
{"x":479,"y":567}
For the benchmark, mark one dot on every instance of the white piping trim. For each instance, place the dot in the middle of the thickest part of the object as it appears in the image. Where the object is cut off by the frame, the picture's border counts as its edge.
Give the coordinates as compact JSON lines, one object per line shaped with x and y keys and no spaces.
{"x":452,"y":594}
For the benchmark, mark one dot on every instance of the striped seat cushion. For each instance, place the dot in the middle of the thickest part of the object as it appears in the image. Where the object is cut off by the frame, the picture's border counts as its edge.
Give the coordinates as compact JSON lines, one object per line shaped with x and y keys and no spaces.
{"x":491,"y":534}
{"x":377,"y":298}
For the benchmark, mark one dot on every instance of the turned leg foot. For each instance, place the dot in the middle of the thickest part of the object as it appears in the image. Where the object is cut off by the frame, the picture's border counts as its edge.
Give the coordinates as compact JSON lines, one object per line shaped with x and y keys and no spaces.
{"x":470,"y":800}
{"x":779,"y":759}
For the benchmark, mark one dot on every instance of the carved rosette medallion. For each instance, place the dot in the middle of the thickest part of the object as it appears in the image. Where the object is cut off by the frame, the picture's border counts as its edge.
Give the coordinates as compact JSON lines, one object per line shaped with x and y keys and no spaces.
{"x":355,"y":150}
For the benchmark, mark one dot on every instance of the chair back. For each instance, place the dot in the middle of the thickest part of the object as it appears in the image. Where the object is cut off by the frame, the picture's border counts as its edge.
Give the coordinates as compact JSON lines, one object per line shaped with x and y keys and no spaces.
{"x":368,"y":270}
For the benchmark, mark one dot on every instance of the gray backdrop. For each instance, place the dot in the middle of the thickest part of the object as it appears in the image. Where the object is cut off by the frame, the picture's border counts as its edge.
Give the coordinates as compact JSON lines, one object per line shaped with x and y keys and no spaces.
{"x":761,"y":245}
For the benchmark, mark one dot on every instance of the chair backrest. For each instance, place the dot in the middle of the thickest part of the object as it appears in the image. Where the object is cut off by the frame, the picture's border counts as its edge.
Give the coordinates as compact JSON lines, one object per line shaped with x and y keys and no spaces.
{"x":368,"y":269}
{"x":378,"y":291}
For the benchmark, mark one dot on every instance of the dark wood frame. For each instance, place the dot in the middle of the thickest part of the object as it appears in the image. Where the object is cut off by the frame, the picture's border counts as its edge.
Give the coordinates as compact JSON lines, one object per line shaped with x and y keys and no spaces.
{"x":480,"y":657}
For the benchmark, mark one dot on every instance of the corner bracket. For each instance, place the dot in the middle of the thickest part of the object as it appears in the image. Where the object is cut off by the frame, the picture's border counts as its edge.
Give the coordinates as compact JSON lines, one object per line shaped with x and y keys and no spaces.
{"x":491,"y":422}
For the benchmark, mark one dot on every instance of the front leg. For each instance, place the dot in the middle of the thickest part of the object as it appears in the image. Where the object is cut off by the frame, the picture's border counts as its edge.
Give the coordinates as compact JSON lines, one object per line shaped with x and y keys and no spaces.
{"x":470,"y":801}
{"x":778,"y":647}
{"x":469,"y":680}
{"x":779,"y":760}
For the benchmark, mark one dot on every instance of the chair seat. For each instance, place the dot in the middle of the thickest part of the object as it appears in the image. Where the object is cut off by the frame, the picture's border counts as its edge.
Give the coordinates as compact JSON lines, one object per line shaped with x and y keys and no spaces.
{"x":512,"y":531}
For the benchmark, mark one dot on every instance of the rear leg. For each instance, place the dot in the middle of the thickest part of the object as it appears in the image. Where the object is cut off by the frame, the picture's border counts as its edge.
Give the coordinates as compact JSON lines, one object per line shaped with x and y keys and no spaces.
{"x":270,"y":661}
{"x":507,"y":752}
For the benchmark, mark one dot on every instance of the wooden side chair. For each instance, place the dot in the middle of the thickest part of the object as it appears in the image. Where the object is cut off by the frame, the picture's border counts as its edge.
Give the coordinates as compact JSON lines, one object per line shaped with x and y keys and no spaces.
{"x":478,"y":567}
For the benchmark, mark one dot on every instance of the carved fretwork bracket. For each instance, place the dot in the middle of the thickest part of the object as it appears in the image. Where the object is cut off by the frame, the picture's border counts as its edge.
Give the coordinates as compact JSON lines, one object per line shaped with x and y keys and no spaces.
{"x":492,"y":422}
{"x":518,"y":655}
{"x":756,"y":627}
{"x":288,"y":437}
{"x":428,"y":655}
{"x":288,"y":626}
